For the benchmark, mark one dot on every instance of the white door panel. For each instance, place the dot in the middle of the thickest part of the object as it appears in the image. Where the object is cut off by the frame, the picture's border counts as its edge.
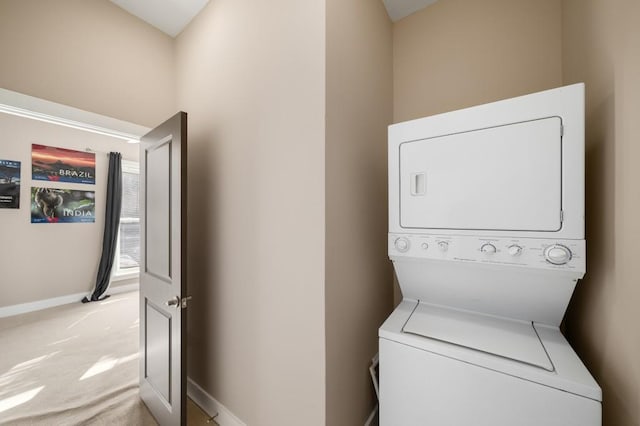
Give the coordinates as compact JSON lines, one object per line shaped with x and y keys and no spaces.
{"x":500,"y":178}
{"x":158,"y":246}
{"x":158,"y":350}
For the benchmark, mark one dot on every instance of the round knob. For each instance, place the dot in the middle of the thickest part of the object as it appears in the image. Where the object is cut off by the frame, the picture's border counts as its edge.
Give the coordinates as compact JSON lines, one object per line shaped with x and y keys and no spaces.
{"x":424,"y":246}
{"x":402,"y":244}
{"x":515,"y":250}
{"x":443,"y":245}
{"x":557,"y":254}
{"x":488,"y":248}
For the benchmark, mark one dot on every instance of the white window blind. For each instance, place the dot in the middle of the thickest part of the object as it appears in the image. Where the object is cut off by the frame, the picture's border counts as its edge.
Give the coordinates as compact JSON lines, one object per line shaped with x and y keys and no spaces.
{"x":129,"y":238}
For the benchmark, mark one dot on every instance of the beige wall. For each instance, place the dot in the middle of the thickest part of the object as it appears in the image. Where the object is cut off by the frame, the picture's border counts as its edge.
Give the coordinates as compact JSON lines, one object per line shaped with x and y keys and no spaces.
{"x":601,"y":46}
{"x":42,"y":261}
{"x":92,"y":55}
{"x":89,"y":54}
{"x":459,"y":53}
{"x":252,"y":77}
{"x":358,"y":272}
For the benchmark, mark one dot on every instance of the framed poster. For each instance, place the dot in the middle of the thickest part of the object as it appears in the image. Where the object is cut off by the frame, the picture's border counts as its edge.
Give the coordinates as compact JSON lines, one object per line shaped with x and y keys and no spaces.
{"x":9,"y":184}
{"x":52,"y":205}
{"x":62,"y":165}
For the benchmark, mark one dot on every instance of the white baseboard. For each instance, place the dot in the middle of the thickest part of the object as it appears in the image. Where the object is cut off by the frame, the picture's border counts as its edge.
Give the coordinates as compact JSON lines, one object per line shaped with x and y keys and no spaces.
{"x":211,"y":406}
{"x":24,"y":308}
{"x":124,"y":288}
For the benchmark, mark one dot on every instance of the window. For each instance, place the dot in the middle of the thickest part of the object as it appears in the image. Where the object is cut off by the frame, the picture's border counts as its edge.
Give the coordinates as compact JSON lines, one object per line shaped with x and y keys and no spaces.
{"x":127,"y":260}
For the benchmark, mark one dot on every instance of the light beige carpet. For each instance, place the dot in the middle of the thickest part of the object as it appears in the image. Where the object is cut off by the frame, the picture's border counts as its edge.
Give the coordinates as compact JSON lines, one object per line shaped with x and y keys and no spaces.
{"x":72,"y":365}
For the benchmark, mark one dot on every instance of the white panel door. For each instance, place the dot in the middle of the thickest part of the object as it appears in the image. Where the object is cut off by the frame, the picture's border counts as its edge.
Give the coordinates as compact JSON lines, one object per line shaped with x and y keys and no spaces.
{"x":500,"y":178}
{"x":163,"y":201}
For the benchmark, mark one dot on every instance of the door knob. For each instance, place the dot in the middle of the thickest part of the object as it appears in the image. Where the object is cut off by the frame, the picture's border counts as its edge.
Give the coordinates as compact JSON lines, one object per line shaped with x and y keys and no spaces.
{"x":176,"y":301}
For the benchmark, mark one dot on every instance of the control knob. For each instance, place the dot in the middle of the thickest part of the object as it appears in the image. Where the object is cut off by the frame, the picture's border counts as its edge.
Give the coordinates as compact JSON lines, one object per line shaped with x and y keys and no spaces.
{"x":557,"y":254}
{"x":515,"y":250}
{"x":443,"y":245}
{"x":488,"y":248}
{"x":402,"y":244}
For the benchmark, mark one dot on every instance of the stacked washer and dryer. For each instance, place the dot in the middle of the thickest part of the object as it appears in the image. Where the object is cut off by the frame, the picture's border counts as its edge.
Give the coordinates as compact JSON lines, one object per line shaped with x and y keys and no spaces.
{"x":486,"y":235}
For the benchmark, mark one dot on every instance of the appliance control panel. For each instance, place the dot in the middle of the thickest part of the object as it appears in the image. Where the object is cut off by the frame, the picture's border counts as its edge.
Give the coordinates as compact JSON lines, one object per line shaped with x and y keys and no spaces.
{"x":526,"y":252}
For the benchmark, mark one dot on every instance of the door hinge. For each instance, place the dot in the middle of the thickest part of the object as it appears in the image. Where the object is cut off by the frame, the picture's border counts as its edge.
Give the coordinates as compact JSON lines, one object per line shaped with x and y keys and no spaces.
{"x":561,"y":216}
{"x":561,"y":130}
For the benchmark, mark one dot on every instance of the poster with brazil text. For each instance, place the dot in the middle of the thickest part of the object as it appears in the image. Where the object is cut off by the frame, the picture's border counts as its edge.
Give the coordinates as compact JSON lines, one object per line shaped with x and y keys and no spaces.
{"x":9,"y":184}
{"x":62,"y":165}
{"x":53,"y":205}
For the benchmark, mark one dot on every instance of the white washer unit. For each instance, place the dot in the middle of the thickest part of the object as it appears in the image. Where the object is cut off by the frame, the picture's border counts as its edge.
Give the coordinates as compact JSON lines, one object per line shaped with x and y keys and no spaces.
{"x":486,"y":235}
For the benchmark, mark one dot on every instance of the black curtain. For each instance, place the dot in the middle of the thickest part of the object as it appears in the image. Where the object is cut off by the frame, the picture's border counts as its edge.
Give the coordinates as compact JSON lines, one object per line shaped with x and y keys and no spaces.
{"x":111,"y":225}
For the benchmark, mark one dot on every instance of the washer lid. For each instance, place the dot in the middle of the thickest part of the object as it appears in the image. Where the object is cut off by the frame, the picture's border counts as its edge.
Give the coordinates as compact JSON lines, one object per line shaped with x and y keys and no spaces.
{"x":513,"y":339}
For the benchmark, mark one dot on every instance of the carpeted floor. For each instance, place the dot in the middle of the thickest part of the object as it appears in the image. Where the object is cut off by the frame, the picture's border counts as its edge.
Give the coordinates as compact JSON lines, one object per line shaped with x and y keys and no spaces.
{"x":73,"y":364}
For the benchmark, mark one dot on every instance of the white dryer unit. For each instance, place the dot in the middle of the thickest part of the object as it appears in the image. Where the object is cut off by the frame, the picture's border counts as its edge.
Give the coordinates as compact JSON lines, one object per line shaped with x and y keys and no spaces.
{"x":486,"y":235}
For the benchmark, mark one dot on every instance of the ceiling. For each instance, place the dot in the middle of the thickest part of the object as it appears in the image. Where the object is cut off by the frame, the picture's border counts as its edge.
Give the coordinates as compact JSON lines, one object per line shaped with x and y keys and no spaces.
{"x":398,"y":9}
{"x":169,"y":16}
{"x":172,"y":16}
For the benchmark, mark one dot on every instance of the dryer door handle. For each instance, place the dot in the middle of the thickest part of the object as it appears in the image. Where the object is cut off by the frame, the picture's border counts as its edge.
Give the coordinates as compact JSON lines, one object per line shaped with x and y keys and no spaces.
{"x":418,"y":184}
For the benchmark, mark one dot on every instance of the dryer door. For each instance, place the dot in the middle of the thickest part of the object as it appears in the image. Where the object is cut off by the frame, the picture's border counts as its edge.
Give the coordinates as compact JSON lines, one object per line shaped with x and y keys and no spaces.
{"x":500,"y":178}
